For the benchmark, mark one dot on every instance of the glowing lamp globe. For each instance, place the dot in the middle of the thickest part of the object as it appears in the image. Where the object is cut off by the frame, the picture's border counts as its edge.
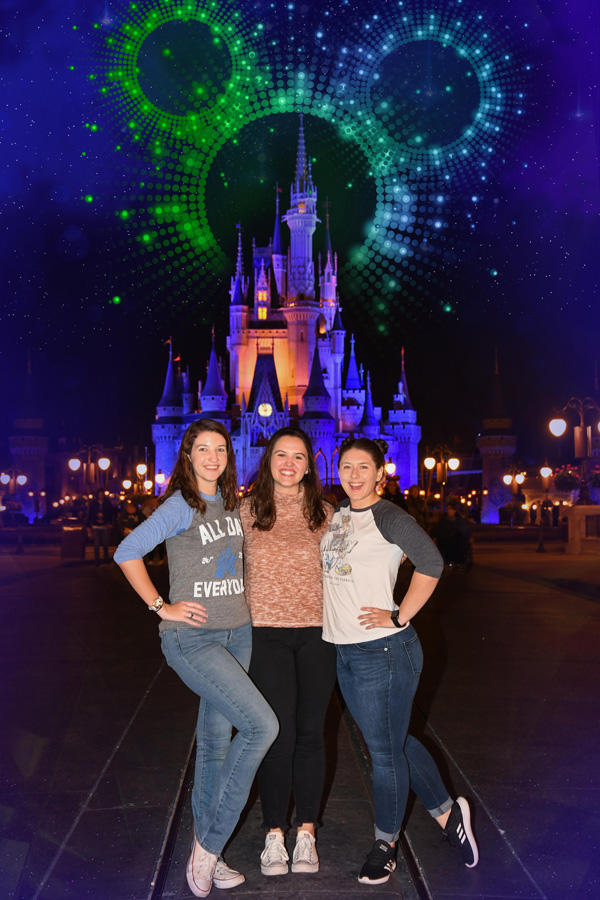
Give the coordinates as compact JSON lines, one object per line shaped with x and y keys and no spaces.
{"x":4,"y":478}
{"x":557,"y":427}
{"x":141,"y":469}
{"x":127,"y":484}
{"x":74,"y":465}
{"x":148,"y":484}
{"x":453,"y":463}
{"x":104,"y":463}
{"x":545,"y":471}
{"x":21,"y":479}
{"x":390,"y":468}
{"x":520,"y":478}
{"x":507,"y":479}
{"x":429,"y":462}
{"x":160,"y":478}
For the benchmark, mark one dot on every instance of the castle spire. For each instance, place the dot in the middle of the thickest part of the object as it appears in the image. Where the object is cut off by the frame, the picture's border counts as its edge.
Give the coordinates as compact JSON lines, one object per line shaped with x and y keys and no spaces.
{"x":316,"y":392}
{"x":277,"y":230}
{"x":368,"y":420}
{"x":214,"y":396}
{"x":301,"y":169}
{"x":171,"y":396}
{"x":403,"y":387}
{"x":237,"y":282}
{"x":328,"y":249}
{"x":352,"y":378}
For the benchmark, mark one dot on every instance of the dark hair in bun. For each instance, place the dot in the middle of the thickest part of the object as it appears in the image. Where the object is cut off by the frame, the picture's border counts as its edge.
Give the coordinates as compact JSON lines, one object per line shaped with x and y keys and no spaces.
{"x":376,"y":449}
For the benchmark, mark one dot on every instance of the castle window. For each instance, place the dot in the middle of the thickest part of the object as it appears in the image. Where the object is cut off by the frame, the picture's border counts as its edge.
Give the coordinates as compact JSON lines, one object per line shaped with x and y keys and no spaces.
{"x":262,"y":312}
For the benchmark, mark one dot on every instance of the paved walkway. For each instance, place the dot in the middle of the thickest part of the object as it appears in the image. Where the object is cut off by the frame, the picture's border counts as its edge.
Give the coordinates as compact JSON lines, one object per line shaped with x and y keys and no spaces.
{"x":97,"y":732}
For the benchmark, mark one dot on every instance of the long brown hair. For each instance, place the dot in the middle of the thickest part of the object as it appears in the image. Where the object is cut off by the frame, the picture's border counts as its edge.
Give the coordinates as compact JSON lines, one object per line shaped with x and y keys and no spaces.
{"x":262,"y":498}
{"x":183,"y":478}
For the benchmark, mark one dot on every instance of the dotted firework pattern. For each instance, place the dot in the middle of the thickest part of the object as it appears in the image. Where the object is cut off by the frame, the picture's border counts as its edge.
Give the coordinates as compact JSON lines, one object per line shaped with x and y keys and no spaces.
{"x":431,"y":95}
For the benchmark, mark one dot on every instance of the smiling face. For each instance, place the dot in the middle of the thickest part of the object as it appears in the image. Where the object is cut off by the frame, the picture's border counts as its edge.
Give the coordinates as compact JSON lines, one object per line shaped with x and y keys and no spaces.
{"x":359,"y":476}
{"x":289,"y":464}
{"x":208,"y":457}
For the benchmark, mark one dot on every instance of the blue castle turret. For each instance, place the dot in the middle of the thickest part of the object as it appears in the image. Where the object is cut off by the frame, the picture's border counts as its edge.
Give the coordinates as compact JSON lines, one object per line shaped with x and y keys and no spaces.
{"x":287,"y":354}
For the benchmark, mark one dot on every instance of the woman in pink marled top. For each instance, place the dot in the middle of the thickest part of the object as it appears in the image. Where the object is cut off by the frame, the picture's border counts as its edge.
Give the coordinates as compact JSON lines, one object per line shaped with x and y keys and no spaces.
{"x":283,"y":520}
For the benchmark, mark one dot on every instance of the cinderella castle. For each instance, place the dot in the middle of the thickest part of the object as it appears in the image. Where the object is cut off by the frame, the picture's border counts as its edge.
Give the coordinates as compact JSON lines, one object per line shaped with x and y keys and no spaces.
{"x":289,"y":362}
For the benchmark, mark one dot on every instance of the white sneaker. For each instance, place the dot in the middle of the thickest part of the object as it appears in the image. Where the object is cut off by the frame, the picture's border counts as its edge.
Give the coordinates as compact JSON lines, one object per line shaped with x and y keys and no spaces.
{"x":226,"y":877}
{"x":200,"y":870}
{"x":274,"y":858}
{"x":305,"y":858}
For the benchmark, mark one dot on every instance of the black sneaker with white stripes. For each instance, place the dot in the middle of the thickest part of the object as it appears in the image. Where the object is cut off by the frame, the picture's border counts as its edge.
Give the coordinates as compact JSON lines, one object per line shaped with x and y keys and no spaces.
{"x":379,"y":864}
{"x":459,"y":833}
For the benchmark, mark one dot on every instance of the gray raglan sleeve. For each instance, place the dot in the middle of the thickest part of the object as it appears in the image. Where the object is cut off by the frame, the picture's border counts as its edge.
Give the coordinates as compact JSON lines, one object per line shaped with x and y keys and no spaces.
{"x":173,"y":517}
{"x":397,"y":527}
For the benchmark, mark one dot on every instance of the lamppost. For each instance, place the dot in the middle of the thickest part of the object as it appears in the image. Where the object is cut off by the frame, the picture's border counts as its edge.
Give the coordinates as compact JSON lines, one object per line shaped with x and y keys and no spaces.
{"x":160,"y":480}
{"x":140,"y":470}
{"x":13,"y":480}
{"x":83,"y":465}
{"x":514,"y":479}
{"x":582,"y":438}
{"x":445,"y":460}
{"x":104,"y":466}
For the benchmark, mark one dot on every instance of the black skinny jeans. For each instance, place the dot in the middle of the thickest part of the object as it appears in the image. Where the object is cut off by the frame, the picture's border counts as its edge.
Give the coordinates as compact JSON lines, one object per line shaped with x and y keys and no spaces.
{"x":295,"y":670}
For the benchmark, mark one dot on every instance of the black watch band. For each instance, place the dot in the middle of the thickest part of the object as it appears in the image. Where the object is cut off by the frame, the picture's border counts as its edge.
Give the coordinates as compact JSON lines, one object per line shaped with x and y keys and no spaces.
{"x":394,"y":617}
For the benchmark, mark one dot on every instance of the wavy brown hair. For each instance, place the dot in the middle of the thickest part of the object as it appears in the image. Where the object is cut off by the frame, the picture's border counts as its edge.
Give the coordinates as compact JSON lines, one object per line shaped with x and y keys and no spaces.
{"x":262,"y":497}
{"x":183,"y":478}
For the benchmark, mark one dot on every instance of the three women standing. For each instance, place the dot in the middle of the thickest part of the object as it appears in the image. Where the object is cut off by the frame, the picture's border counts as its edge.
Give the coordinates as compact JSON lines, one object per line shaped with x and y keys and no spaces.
{"x":284,"y":519}
{"x":206,"y":637}
{"x":379,"y":657}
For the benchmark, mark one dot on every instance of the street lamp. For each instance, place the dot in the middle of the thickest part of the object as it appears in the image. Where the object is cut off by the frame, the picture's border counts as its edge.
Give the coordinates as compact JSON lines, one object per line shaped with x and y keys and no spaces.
{"x":104,"y":466}
{"x":582,"y":438}
{"x":444,"y":461}
{"x":140,"y":470}
{"x":14,"y":477}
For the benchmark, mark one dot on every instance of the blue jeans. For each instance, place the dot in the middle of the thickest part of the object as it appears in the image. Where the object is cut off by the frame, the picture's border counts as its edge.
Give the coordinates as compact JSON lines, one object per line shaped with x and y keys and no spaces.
{"x":213,"y":664}
{"x":378,"y":680}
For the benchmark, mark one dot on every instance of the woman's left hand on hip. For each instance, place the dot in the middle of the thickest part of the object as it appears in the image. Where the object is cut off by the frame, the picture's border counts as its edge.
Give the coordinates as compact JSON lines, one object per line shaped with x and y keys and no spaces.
{"x":374,"y":617}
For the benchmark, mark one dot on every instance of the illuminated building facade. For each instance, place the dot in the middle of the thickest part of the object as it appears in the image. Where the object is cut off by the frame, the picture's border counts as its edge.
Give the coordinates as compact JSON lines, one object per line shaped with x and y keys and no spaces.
{"x":288,"y":360}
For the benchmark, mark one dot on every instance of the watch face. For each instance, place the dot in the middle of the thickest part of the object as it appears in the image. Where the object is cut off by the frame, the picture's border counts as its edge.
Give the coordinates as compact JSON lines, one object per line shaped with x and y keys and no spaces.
{"x":265,"y":409}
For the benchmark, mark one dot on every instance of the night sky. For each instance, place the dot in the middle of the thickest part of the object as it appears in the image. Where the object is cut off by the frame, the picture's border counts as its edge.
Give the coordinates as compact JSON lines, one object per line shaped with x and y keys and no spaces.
{"x":457,"y":144}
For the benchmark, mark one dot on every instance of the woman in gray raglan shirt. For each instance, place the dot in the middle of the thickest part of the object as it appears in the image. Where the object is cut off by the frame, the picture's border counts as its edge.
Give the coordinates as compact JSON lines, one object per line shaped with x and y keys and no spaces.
{"x":379,"y":656}
{"x":206,"y":637}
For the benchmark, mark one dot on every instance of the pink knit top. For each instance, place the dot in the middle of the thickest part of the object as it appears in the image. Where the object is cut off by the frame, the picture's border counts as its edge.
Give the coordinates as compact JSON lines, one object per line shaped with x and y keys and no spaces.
{"x":283,"y":578}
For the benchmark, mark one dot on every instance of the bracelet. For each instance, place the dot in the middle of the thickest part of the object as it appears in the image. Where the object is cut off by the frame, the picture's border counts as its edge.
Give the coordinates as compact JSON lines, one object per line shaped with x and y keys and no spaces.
{"x":156,"y":605}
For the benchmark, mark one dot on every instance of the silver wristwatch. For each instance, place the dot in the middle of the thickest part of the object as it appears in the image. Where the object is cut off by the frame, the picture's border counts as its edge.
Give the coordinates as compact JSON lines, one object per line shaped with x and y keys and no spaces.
{"x":156,"y":605}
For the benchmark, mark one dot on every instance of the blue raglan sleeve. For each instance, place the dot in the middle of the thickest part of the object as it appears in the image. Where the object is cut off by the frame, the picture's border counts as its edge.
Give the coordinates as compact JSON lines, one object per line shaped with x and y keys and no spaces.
{"x":399,"y":528}
{"x":173,"y":517}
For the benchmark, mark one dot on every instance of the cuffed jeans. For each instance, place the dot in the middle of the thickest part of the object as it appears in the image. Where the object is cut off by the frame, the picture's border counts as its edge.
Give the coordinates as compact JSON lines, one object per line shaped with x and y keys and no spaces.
{"x":213,"y":664}
{"x":294,"y":668}
{"x":378,"y":680}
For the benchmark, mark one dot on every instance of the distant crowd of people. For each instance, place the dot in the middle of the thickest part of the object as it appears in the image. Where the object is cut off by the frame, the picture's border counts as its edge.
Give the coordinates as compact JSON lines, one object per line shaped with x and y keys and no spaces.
{"x":103,"y":519}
